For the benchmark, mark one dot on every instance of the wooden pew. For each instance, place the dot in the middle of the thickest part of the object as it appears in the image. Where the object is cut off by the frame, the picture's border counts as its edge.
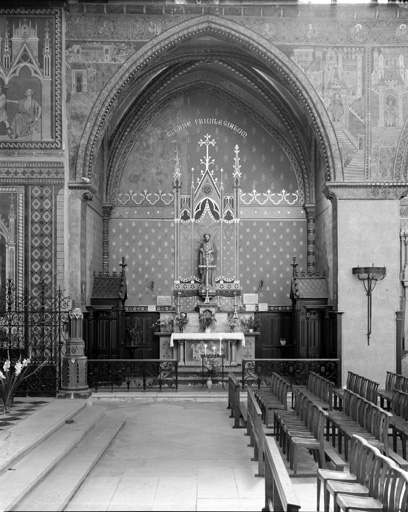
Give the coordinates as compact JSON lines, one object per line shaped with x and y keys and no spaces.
{"x":238,"y":407}
{"x":279,"y":491}
{"x":255,"y":430}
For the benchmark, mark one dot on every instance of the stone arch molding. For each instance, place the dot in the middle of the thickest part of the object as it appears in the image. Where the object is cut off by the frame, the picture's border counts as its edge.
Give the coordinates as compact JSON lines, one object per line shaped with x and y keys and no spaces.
{"x":213,"y":26}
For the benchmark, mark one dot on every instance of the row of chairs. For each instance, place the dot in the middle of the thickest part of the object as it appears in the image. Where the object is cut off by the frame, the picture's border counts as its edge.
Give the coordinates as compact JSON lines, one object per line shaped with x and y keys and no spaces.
{"x":301,"y":427}
{"x":392,"y":381}
{"x":374,"y":482}
{"x":358,"y":384}
{"x":318,"y":389}
{"x":273,"y":397}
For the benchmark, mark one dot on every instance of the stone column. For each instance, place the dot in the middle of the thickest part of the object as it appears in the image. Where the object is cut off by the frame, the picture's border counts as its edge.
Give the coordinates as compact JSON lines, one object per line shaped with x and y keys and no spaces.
{"x":74,"y":362}
{"x":107,"y":209}
{"x":311,"y":238}
{"x":181,"y":345}
{"x":233,"y":352}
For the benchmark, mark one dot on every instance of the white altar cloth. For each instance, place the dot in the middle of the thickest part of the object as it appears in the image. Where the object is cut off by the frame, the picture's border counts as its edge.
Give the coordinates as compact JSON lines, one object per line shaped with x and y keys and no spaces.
{"x":207,"y":336}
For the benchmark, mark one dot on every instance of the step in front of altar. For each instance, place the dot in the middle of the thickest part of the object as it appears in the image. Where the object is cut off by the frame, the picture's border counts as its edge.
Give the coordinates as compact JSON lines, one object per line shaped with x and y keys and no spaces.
{"x":194,"y":375}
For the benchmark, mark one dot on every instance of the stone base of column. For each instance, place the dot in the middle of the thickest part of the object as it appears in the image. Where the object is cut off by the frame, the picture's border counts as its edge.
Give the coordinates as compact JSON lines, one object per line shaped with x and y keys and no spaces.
{"x":86,"y":394}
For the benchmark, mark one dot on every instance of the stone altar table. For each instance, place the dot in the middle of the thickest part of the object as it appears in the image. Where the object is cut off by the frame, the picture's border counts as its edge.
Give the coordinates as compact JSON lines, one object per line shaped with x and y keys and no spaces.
{"x":189,"y":346}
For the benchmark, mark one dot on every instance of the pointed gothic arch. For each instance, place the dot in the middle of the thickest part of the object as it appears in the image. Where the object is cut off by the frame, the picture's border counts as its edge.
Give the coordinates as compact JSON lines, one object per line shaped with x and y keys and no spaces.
{"x":158,"y":52}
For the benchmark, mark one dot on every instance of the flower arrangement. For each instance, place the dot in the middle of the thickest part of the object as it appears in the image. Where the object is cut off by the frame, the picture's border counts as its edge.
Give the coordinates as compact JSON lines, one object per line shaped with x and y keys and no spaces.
{"x":12,"y":376}
{"x":250,"y":324}
{"x":233,"y":321}
{"x":181,"y":321}
{"x":212,"y":364}
{"x":162,"y":325}
{"x":207,"y":319}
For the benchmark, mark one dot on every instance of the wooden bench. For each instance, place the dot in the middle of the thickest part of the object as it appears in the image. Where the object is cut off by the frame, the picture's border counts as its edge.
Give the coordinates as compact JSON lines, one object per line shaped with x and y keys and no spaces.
{"x":238,"y":407}
{"x":274,"y":397}
{"x":279,"y":490}
{"x":361,"y":417}
{"x":255,"y":430}
{"x":392,"y":381}
{"x":358,"y":384}
{"x":318,"y":389}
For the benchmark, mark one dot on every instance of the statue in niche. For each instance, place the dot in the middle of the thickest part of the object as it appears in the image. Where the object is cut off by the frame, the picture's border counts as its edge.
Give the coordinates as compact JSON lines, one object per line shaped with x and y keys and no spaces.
{"x":206,"y":262}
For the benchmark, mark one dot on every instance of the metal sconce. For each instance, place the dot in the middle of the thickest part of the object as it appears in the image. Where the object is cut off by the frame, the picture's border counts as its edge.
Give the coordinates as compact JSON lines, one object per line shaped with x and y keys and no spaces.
{"x":369,"y":276}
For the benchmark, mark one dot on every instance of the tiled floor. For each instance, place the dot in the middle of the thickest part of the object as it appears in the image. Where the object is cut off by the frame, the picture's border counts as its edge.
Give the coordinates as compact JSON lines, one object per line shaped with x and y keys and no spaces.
{"x":179,"y":455}
{"x":20,"y":409}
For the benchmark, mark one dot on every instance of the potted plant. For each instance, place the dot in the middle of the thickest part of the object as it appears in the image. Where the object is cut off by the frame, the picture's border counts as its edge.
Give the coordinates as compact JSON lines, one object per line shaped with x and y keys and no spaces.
{"x":207,"y":320}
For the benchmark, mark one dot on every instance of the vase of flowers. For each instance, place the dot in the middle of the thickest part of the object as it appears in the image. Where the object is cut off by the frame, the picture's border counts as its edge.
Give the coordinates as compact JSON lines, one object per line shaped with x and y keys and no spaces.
{"x":250,"y":324}
{"x":207,"y":320}
{"x":212,"y":364}
{"x":11,"y":376}
{"x":181,"y":321}
{"x":162,"y":325}
{"x":233,"y":322}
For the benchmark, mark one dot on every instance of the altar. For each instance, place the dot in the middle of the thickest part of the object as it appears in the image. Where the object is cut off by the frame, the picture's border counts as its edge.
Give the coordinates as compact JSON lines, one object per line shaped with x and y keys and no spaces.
{"x":188,"y":347}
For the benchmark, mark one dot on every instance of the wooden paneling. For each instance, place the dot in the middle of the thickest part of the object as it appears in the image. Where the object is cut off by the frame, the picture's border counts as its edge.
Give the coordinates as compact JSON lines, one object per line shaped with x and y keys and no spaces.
{"x":274,"y":326}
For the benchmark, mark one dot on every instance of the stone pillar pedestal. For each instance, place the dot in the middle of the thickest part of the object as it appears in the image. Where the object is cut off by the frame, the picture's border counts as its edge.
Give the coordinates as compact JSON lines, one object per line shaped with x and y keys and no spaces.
{"x":74,"y":362}
{"x":233,"y":361}
{"x":181,"y":353}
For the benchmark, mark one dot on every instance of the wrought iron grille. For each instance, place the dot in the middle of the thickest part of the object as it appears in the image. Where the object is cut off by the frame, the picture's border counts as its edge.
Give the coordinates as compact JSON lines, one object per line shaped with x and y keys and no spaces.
{"x":258,"y":372}
{"x":132,"y":374}
{"x":35,"y":325}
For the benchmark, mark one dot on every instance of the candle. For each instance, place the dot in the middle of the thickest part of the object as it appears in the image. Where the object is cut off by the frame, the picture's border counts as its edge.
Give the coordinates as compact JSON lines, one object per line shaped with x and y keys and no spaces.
{"x":220,"y":347}
{"x":205,"y":349}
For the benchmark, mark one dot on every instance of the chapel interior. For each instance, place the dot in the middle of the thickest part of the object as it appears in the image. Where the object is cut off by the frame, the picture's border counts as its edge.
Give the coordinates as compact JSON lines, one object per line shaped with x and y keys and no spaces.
{"x":178,"y":170}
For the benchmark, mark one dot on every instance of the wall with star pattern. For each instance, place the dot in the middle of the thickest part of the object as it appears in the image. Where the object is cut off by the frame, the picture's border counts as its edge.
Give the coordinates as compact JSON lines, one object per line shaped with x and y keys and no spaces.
{"x":272,"y":226}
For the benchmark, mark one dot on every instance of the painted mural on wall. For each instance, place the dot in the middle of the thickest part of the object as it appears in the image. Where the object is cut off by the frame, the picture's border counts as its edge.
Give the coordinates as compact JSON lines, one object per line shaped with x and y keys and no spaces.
{"x":338,"y":76}
{"x":11,"y":237}
{"x":89,"y":67}
{"x":266,"y":162}
{"x":389,"y":108}
{"x":30,"y":68}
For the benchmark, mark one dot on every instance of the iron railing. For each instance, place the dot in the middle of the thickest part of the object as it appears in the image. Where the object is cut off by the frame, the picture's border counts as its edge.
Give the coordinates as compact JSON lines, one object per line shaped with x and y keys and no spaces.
{"x":132,"y":374}
{"x":35,"y":325}
{"x":258,"y":372}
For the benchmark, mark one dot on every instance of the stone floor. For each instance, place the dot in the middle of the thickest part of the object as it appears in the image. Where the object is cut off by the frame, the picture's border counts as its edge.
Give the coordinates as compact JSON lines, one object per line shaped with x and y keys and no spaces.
{"x":181,"y":456}
{"x":176,"y":451}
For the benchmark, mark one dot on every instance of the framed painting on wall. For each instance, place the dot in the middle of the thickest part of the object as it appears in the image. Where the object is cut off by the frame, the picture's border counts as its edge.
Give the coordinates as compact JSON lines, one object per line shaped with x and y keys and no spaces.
{"x":30,"y":84}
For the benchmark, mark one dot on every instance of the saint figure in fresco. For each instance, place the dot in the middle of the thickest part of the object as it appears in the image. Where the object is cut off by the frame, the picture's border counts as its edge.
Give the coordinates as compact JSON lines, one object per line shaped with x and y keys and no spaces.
{"x":390,"y":113}
{"x":27,"y":117}
{"x":336,"y":107}
{"x":206,"y":260}
{"x":3,"y":113}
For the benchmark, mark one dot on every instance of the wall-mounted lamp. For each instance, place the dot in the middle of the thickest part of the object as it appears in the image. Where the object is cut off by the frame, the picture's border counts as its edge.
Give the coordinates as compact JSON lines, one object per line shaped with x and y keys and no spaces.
{"x":369,"y":276}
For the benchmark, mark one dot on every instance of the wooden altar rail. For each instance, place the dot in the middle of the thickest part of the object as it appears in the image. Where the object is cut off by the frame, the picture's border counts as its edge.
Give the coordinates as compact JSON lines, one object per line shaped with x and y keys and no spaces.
{"x":258,"y":372}
{"x":132,"y":374}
